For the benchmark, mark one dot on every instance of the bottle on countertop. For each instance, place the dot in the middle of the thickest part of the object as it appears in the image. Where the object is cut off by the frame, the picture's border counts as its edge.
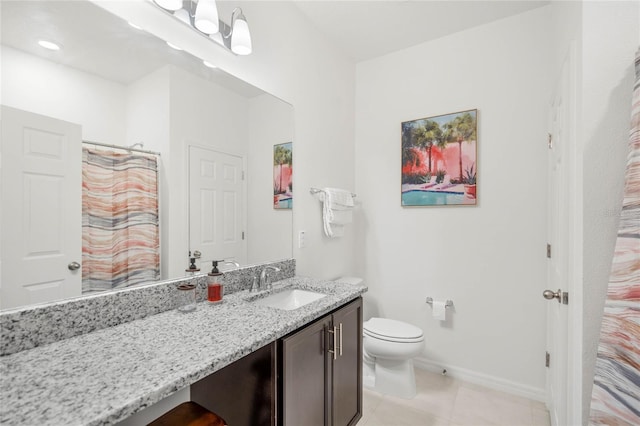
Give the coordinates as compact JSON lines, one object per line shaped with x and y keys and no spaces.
{"x":215,"y":287}
{"x":187,"y":290}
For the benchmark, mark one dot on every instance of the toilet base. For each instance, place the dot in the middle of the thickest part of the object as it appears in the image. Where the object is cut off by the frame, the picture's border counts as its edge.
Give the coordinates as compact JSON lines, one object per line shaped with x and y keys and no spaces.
{"x":395,"y":377}
{"x":368,"y":372}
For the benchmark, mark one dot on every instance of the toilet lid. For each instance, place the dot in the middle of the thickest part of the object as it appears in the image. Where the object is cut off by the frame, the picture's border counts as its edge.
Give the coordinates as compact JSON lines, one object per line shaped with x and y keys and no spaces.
{"x":389,"y":329}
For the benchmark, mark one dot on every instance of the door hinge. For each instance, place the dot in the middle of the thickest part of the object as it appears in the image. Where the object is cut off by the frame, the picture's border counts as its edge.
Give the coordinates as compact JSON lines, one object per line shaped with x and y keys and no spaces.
{"x":550,"y":141}
{"x":548,"y":251}
{"x":547,"y":359}
{"x":565,"y":298}
{"x":243,"y":235}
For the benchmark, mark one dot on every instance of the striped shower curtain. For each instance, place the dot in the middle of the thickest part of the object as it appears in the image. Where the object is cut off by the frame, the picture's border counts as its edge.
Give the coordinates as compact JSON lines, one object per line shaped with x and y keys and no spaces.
{"x":616,"y":389}
{"x":120,"y":228}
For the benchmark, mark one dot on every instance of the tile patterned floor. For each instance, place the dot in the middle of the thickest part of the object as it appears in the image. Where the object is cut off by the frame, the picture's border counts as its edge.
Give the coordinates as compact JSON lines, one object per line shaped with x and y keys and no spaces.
{"x":444,"y":401}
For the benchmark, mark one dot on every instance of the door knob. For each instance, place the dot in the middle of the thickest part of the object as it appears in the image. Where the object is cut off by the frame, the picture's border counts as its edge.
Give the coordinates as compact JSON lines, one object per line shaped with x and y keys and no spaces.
{"x":197,"y":254}
{"x":550,"y":295}
{"x":73,"y":266}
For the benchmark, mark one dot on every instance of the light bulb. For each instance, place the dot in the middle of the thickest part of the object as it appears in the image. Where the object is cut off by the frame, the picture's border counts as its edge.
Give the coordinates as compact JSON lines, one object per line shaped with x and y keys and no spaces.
{"x":241,"y":37}
{"x":206,"y":19}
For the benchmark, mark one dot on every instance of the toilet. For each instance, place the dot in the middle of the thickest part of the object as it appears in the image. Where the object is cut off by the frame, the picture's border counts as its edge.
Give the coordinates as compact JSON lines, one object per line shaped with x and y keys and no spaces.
{"x":389,"y":347}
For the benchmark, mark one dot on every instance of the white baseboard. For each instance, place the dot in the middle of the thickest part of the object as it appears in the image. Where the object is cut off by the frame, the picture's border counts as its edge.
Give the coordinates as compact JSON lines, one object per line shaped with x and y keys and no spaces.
{"x":481,"y":379}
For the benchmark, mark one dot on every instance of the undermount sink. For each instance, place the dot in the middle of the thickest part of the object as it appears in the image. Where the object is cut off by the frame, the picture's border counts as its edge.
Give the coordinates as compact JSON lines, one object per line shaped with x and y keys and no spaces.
{"x":290,"y":299}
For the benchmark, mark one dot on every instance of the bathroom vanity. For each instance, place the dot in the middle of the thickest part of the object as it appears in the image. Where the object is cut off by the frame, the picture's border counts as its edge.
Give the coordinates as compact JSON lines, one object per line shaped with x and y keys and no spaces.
{"x":105,"y":376}
{"x":312,"y":376}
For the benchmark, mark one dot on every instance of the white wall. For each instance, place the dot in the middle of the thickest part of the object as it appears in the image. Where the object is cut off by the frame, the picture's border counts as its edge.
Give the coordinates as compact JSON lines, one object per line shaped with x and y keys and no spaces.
{"x":488,"y":259}
{"x":305,"y":71}
{"x":33,"y":84}
{"x":610,"y":40}
{"x":269,"y":230}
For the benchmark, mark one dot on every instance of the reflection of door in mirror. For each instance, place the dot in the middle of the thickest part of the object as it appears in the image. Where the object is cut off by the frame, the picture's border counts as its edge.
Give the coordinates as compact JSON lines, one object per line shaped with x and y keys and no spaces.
{"x":41,"y":237}
{"x":216,"y":223}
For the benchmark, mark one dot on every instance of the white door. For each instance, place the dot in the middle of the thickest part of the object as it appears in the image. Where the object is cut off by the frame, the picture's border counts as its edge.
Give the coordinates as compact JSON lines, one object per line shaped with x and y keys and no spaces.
{"x":41,"y":223}
{"x":561,"y":180}
{"x":216,"y":205}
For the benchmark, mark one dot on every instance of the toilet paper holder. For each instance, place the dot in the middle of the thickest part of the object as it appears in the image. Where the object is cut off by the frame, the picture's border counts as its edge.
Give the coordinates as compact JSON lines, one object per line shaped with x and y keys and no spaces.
{"x":447,"y":304}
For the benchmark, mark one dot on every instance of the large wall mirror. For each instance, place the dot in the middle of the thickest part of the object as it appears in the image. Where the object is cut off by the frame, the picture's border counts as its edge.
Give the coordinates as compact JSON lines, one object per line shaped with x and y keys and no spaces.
{"x":203,"y":138}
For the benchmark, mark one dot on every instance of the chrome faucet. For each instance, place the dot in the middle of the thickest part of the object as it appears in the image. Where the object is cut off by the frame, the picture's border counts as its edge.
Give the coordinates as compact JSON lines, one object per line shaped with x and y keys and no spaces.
{"x":265,"y":281}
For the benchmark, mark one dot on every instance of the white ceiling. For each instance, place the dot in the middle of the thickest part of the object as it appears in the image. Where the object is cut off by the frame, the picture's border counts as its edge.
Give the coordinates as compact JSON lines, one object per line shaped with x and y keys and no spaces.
{"x":367,"y":29}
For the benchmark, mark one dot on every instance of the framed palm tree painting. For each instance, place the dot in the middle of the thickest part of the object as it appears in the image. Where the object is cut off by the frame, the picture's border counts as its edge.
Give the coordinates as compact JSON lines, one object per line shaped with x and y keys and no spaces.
{"x":439,"y":160}
{"x":282,"y":176}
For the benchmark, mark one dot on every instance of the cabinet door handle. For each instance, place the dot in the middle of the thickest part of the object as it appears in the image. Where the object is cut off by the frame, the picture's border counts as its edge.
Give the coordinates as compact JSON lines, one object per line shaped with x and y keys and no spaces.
{"x":340,"y":339}
{"x":335,"y":337}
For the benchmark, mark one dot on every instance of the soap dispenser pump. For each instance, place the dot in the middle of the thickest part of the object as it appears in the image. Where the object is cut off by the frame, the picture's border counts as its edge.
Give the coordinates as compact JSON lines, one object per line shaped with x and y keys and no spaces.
{"x":193,"y":268}
{"x":215,"y":288}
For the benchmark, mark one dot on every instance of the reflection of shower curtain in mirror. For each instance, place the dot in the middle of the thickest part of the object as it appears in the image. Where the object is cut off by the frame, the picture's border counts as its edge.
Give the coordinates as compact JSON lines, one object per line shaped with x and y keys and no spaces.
{"x":120,"y":232}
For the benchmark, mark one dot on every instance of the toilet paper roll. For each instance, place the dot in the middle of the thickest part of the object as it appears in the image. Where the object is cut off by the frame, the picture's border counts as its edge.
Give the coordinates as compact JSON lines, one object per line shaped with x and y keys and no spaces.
{"x":439,"y":310}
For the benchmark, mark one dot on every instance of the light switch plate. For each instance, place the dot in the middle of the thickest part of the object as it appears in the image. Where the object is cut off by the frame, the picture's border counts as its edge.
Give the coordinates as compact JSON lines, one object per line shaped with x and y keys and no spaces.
{"x":302,"y":243}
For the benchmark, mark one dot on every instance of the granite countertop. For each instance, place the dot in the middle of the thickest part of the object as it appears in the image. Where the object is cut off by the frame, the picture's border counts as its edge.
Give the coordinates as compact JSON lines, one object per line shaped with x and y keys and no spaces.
{"x":105,"y":376}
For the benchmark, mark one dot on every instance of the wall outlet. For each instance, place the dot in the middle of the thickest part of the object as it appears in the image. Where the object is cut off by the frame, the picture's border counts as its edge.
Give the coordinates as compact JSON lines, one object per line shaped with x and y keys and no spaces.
{"x":302,"y":242}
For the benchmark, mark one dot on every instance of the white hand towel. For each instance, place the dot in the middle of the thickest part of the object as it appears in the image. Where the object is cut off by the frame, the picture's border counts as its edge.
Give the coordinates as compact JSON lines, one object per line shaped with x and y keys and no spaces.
{"x":341,"y":217}
{"x":340,"y":197}
{"x":336,"y":210}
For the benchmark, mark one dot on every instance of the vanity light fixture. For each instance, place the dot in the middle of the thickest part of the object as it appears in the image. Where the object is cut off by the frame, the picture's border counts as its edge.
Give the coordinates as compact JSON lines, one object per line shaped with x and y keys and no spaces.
{"x":49,"y":45}
{"x":206,"y":17}
{"x":240,"y":35}
{"x":202,"y":16}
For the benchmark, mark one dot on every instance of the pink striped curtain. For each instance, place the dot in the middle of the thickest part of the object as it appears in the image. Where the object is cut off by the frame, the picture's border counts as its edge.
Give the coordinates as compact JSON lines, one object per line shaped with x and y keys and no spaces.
{"x":120,"y":228}
{"x":616,"y":389}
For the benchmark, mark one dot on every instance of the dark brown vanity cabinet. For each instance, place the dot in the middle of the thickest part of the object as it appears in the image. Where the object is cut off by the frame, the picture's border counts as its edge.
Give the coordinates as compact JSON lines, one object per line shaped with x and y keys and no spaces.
{"x":320,"y":371}
{"x":244,"y":392}
{"x":312,"y":377}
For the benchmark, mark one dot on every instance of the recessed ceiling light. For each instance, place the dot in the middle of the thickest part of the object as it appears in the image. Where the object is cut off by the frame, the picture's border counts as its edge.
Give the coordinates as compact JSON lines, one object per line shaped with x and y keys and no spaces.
{"x":209,"y":64}
{"x":137,"y":27}
{"x":173,"y":46}
{"x":49,"y":45}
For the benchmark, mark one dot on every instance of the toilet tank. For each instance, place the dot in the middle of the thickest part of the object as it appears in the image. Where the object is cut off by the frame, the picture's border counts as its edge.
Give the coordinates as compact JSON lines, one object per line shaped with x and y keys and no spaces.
{"x":350,"y":280}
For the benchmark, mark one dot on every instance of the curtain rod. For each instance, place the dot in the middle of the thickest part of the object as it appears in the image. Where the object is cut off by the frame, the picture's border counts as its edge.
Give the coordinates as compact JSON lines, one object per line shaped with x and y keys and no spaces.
{"x":121,"y":147}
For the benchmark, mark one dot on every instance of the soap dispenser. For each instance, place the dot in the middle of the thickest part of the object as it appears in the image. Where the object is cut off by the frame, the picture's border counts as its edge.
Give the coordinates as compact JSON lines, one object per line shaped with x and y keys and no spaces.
{"x":192,"y":270}
{"x":187,"y":289}
{"x":215,"y":288}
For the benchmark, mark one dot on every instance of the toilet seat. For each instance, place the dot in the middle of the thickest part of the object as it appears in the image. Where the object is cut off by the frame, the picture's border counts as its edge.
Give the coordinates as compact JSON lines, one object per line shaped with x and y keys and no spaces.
{"x":392,"y":330}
